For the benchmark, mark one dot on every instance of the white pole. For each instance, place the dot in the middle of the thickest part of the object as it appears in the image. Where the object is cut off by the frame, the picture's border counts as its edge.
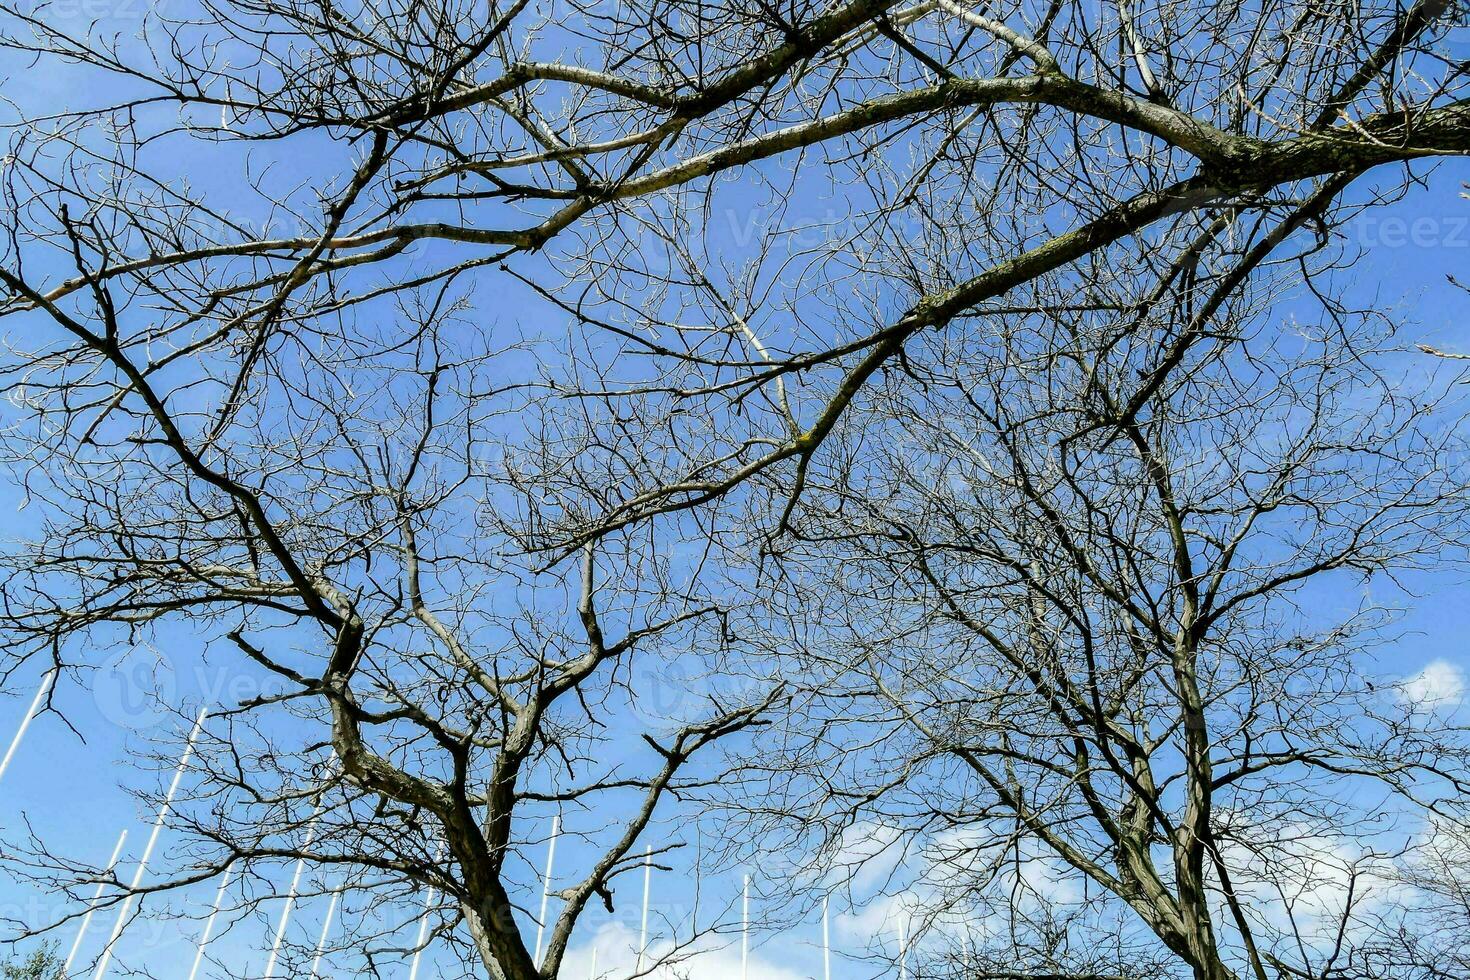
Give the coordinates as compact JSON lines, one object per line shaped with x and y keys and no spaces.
{"x":643,"y":930}
{"x":321,"y":942}
{"x":745,"y":928}
{"x":546,"y":885}
{"x":25,"y":722}
{"x":168,"y":800}
{"x":87,"y":917}
{"x":826,"y":943}
{"x":270,"y":966}
{"x":592,"y":972}
{"x":903,"y":948}
{"x":413,"y":969}
{"x":219,"y":900}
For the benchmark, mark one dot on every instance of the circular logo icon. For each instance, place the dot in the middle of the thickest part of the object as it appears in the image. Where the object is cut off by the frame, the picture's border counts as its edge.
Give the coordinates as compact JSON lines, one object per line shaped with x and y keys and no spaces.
{"x":135,"y":687}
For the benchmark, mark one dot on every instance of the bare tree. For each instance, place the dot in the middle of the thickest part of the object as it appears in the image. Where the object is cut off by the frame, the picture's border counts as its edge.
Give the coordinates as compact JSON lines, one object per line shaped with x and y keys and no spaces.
{"x":1418,"y":937}
{"x":285,"y":401}
{"x":1108,"y":627}
{"x":431,"y":745}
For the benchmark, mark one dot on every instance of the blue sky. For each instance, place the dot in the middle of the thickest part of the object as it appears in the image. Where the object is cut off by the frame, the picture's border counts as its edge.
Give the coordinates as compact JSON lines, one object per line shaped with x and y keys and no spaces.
{"x":73,"y":785}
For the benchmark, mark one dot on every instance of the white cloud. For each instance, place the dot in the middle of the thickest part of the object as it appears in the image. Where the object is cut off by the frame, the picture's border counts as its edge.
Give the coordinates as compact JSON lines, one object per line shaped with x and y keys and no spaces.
{"x":870,"y":853}
{"x":716,"y":958}
{"x":957,"y":855}
{"x":1441,"y":844}
{"x":882,"y":920}
{"x":1301,"y":882}
{"x":1439,"y":683}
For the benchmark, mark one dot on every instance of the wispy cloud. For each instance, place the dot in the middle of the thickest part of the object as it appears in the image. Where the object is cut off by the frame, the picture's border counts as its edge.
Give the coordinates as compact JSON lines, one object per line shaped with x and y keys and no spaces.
{"x":1440,"y":683}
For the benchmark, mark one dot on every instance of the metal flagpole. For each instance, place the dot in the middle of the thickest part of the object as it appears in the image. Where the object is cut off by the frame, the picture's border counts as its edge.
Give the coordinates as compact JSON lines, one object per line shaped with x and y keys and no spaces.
{"x":321,"y":942}
{"x":903,"y":949}
{"x":745,"y":928}
{"x":168,"y":800}
{"x":546,"y":885}
{"x":826,"y":943}
{"x":219,"y":899}
{"x":25,"y":722}
{"x":87,"y":917}
{"x":592,"y":972}
{"x":413,"y":970}
{"x":643,"y":930}
{"x":270,"y":966}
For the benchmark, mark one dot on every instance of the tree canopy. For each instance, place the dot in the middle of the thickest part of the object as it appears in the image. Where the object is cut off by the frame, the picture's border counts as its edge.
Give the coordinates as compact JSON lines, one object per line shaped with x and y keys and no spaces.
{"x":971,"y":402}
